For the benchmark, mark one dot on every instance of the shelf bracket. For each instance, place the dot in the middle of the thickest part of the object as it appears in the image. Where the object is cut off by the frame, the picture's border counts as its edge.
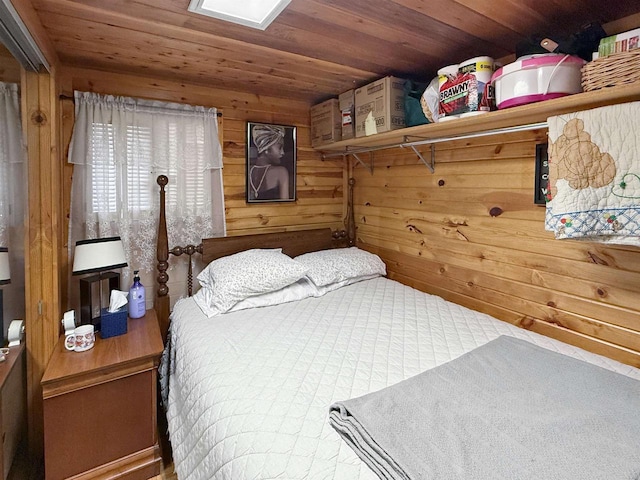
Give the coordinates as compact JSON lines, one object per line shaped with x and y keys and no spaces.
{"x":430,"y":165}
{"x":368,"y":167}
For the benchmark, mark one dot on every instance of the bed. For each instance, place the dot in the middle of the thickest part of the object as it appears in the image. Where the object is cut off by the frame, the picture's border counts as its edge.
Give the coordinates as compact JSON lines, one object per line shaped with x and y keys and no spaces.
{"x":247,"y":391}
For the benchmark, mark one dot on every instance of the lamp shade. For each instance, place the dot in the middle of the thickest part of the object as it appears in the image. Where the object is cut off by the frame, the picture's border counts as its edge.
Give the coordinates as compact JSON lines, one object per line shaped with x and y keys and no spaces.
{"x":97,"y":255}
{"x":5,"y":271}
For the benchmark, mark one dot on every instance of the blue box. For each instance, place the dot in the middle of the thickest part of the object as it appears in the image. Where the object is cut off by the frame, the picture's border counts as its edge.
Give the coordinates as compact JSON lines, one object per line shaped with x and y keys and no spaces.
{"x":113,"y":324}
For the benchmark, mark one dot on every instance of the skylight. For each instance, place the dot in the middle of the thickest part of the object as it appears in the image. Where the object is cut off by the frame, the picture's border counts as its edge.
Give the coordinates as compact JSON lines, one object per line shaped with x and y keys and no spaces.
{"x":251,"y":13}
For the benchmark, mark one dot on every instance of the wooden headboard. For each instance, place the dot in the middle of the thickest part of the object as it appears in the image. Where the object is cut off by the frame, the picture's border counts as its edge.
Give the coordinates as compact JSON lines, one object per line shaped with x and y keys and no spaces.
{"x":293,"y":243}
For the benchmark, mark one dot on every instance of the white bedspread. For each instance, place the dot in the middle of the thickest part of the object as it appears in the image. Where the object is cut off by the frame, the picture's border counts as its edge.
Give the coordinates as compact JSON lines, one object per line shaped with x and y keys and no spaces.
{"x":250,"y":391}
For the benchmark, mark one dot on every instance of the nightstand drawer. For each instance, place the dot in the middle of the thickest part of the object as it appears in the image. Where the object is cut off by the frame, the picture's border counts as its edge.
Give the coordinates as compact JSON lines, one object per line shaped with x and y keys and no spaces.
{"x":98,"y":425}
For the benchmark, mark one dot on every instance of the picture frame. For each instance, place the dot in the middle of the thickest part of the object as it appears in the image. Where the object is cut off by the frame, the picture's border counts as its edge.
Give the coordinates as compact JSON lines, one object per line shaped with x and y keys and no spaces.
{"x":271,"y":158}
{"x":542,"y":174}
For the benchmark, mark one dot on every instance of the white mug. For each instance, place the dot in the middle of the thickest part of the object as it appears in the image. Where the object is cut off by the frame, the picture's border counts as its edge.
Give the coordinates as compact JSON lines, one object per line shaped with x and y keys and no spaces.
{"x":81,"y":339}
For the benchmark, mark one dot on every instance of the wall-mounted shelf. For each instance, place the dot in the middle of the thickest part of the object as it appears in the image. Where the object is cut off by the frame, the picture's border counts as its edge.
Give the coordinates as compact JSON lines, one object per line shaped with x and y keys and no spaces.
{"x":525,"y":117}
{"x":413,"y":142}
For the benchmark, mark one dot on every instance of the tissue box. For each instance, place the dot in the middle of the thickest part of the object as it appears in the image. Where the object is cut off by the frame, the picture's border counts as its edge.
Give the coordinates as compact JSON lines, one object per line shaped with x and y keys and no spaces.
{"x":113,"y":324}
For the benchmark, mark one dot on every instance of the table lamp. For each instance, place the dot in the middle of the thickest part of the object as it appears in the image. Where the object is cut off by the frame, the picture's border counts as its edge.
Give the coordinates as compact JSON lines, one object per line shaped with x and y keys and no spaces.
{"x":5,"y":276}
{"x":97,"y":256}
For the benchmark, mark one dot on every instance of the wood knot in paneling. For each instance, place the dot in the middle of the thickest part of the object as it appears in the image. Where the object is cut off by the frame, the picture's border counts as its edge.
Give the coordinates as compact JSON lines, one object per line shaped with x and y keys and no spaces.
{"x":496,"y":212}
{"x":597,"y":260}
{"x":602,"y":292}
{"x":527,"y":322}
{"x":233,"y":149}
{"x":39,"y":118}
{"x":551,"y":304}
{"x":413,"y":228}
{"x":452,"y":222}
{"x":441,"y":183}
{"x":537,"y":278}
{"x":461,"y":235}
{"x":554,"y":321}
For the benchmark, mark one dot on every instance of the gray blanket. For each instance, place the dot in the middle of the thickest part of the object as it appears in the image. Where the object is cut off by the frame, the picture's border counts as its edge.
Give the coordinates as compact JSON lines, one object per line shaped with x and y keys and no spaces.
{"x":506,"y":410}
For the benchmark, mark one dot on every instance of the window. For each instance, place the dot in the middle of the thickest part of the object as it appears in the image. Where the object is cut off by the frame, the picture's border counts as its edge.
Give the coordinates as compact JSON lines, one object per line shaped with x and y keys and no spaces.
{"x":119,"y":147}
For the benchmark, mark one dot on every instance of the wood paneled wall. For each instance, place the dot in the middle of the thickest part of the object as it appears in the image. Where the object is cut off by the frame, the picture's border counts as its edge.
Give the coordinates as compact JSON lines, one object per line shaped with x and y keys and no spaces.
{"x":9,"y":67}
{"x":319,"y":183}
{"x":43,"y":300}
{"x":471,"y":233}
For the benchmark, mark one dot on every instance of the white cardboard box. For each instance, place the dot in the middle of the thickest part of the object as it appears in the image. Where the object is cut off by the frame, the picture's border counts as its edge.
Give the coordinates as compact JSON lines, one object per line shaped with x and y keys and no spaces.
{"x":348,"y":112}
{"x":380,"y":106}
{"x":326,"y":123}
{"x":622,"y":42}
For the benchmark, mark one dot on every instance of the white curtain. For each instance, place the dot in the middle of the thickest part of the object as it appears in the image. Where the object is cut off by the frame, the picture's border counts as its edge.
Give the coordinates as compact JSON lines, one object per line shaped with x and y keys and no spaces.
{"x":12,"y":153}
{"x":13,"y":198}
{"x":119,"y":147}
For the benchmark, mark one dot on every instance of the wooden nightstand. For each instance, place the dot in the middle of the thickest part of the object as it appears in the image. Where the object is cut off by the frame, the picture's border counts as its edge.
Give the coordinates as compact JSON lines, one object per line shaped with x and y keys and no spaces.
{"x":100,"y":406}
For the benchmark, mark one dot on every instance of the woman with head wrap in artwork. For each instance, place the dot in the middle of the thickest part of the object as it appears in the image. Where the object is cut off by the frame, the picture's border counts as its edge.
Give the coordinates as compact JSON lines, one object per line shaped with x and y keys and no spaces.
{"x":268,"y":179}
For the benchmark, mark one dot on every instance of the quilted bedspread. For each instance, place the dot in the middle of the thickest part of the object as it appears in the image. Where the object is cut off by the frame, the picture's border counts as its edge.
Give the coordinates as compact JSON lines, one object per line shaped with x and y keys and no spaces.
{"x":249,"y":392}
{"x":594,"y":175}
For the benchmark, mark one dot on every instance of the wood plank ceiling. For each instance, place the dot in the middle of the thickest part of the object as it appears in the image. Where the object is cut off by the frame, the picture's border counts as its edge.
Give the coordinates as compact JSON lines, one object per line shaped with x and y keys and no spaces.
{"x":315,"y":49}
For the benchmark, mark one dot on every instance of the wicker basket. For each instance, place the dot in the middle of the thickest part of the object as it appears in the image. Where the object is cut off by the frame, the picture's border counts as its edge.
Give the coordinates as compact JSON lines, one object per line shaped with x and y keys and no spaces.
{"x":616,"y":69}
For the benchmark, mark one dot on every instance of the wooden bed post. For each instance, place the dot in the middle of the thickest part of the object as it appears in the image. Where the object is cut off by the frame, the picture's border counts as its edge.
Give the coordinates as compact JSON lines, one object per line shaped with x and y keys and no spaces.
{"x":350,"y":222}
{"x":162,"y":304}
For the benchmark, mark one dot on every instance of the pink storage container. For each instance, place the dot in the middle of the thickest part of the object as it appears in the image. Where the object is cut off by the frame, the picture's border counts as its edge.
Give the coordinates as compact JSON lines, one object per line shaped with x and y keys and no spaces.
{"x":534,"y":78}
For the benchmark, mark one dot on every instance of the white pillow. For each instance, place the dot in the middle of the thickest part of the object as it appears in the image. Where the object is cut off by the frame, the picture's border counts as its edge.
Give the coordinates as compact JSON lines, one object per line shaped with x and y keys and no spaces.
{"x":339,"y":264}
{"x":204,"y":298}
{"x":320,"y":291}
{"x":299,"y":290}
{"x":205,"y":277}
{"x":229,"y":280}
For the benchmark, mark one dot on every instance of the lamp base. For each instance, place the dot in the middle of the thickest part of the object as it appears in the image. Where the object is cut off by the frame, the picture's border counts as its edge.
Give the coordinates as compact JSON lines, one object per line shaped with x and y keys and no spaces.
{"x":91,"y":296}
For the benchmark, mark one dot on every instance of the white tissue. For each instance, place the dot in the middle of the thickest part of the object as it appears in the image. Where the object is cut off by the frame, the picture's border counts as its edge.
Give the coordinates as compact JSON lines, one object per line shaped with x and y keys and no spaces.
{"x":117,"y":300}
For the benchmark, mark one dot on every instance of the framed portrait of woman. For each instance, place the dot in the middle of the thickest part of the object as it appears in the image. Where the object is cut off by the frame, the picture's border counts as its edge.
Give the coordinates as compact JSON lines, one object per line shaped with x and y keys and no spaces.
{"x":271,"y":163}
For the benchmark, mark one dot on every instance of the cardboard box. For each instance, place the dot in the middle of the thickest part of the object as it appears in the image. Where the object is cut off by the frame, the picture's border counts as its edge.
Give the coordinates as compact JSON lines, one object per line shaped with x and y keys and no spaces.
{"x":380,"y":106}
{"x":622,"y":42}
{"x":348,"y":112}
{"x":326,"y":123}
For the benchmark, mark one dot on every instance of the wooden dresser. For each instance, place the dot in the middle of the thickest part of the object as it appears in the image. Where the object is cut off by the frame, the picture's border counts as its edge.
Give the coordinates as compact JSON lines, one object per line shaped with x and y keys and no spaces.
{"x":13,"y":405}
{"x":100,"y":406}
